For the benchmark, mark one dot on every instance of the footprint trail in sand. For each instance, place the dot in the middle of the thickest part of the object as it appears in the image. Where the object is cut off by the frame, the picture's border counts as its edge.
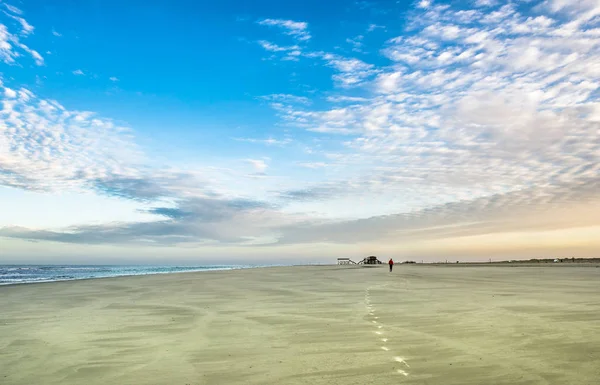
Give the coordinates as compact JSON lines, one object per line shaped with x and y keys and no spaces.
{"x":371,"y":311}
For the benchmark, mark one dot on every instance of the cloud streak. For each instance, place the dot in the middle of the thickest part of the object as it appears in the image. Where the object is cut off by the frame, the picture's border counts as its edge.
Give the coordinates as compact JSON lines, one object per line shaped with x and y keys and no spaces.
{"x":557,"y":207}
{"x":296,"y":29}
{"x":26,"y":28}
{"x":267,"y":141}
{"x":11,"y":46}
{"x":196,"y":221}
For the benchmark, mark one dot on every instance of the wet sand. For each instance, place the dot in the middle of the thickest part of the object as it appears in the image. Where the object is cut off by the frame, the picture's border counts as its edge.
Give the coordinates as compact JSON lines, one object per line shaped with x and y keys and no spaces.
{"x":467,"y":325}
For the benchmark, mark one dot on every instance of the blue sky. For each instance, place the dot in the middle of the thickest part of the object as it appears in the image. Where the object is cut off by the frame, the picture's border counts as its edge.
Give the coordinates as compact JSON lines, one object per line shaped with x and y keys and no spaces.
{"x":259,"y":130}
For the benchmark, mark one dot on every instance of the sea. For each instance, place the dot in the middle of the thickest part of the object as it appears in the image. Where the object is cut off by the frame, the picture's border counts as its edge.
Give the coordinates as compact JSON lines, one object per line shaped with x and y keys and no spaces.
{"x":14,"y":274}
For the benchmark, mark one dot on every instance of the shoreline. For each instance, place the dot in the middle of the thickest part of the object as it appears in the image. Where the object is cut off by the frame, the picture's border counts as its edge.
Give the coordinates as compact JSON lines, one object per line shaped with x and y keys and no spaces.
{"x":3,"y":284}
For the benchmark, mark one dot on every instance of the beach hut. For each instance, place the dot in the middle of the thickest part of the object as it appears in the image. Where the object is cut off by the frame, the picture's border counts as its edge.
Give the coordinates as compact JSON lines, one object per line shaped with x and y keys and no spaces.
{"x":372,"y":260}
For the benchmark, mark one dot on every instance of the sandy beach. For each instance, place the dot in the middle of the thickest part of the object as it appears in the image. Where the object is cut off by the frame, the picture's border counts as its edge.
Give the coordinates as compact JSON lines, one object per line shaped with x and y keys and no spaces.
{"x":308,"y":325}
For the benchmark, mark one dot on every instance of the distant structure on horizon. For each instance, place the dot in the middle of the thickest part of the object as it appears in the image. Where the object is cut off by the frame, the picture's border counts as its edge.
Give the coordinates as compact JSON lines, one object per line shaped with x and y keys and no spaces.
{"x":371,"y":260}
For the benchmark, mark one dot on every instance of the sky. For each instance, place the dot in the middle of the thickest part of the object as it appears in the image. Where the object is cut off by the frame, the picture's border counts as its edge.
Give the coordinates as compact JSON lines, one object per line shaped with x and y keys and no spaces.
{"x":276,"y":131}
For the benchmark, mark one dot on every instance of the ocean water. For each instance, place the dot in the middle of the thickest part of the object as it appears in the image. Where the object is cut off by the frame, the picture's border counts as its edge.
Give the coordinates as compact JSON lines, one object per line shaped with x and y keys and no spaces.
{"x":11,"y":274}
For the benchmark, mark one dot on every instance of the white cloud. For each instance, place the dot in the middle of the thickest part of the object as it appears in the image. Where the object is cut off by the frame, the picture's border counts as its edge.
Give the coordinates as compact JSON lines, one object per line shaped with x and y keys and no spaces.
{"x":356,"y":43}
{"x":388,"y":82}
{"x":78,"y":72}
{"x":313,"y":165}
{"x":39,"y":60}
{"x":486,"y":3}
{"x":13,"y":9}
{"x":10,"y":46}
{"x":350,"y":71}
{"x":296,"y":29}
{"x":292,"y":56}
{"x":55,"y":33}
{"x":580,"y":12}
{"x":346,"y":99}
{"x":26,"y":28}
{"x":290,"y":52}
{"x":472,"y":108}
{"x":276,"y":48}
{"x":267,"y":141}
{"x":287,"y":98}
{"x":45,"y":146}
{"x":258,"y":164}
{"x":113,"y":79}
{"x":11,"y":94}
{"x":373,"y":27}
{"x":346,"y":65}
{"x":424,"y":3}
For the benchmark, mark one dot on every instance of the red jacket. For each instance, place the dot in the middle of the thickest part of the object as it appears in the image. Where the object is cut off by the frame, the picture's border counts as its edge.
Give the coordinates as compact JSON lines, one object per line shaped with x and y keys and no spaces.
{"x":391,"y":262}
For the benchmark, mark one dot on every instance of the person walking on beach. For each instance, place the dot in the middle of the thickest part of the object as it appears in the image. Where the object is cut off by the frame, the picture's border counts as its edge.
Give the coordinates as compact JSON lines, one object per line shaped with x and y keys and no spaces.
{"x":391,"y":263}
